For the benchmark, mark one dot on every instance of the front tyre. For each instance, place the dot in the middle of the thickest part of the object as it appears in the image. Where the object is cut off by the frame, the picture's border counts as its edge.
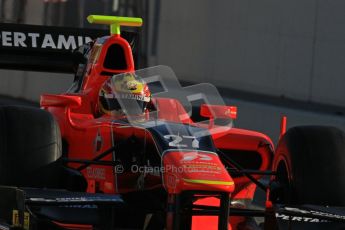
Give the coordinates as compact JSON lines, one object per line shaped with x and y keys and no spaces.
{"x":29,"y":140}
{"x":310,"y":166}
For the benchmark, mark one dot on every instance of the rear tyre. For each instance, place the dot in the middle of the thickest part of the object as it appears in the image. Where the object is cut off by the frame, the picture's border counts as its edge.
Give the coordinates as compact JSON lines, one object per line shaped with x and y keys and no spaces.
{"x":310,"y":166}
{"x":29,"y":140}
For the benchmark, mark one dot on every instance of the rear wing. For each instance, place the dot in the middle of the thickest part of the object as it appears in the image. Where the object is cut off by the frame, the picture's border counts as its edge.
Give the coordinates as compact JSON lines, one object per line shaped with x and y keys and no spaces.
{"x":48,"y":48}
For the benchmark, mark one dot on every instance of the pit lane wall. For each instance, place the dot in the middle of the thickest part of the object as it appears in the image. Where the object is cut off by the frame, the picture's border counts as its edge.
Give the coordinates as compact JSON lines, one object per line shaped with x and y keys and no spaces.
{"x":288,"y":48}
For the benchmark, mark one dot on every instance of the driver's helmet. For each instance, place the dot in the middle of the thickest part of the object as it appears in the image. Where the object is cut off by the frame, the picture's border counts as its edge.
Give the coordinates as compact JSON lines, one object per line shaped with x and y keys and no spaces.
{"x":125,"y":94}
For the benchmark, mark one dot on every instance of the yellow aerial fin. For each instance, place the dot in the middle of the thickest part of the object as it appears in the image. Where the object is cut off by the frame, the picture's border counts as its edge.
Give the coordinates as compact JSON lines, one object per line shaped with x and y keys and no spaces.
{"x":115,"y":22}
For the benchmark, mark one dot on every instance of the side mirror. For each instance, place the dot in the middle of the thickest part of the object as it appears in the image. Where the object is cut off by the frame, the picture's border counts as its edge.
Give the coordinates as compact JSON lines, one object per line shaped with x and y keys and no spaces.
{"x":218,"y":111}
{"x":65,"y":102}
{"x":51,"y":100}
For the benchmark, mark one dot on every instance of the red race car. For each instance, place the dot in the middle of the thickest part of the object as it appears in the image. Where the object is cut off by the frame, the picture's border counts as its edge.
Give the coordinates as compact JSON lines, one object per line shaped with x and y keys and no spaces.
{"x":133,"y":149}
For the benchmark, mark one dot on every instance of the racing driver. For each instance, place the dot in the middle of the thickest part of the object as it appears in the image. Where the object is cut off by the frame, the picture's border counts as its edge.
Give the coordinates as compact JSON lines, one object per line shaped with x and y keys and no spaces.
{"x":124,"y":95}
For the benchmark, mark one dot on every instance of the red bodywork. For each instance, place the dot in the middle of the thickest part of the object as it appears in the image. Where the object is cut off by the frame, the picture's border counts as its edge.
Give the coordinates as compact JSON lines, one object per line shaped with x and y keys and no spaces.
{"x":86,"y":134}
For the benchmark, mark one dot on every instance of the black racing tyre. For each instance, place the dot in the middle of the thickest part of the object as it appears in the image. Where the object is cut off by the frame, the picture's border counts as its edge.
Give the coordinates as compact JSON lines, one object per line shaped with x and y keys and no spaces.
{"x":310,"y":166}
{"x":29,"y":140}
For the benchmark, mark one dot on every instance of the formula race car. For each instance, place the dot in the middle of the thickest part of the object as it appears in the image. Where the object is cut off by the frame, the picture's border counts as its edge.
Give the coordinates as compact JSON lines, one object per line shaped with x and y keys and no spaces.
{"x":133,"y":149}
